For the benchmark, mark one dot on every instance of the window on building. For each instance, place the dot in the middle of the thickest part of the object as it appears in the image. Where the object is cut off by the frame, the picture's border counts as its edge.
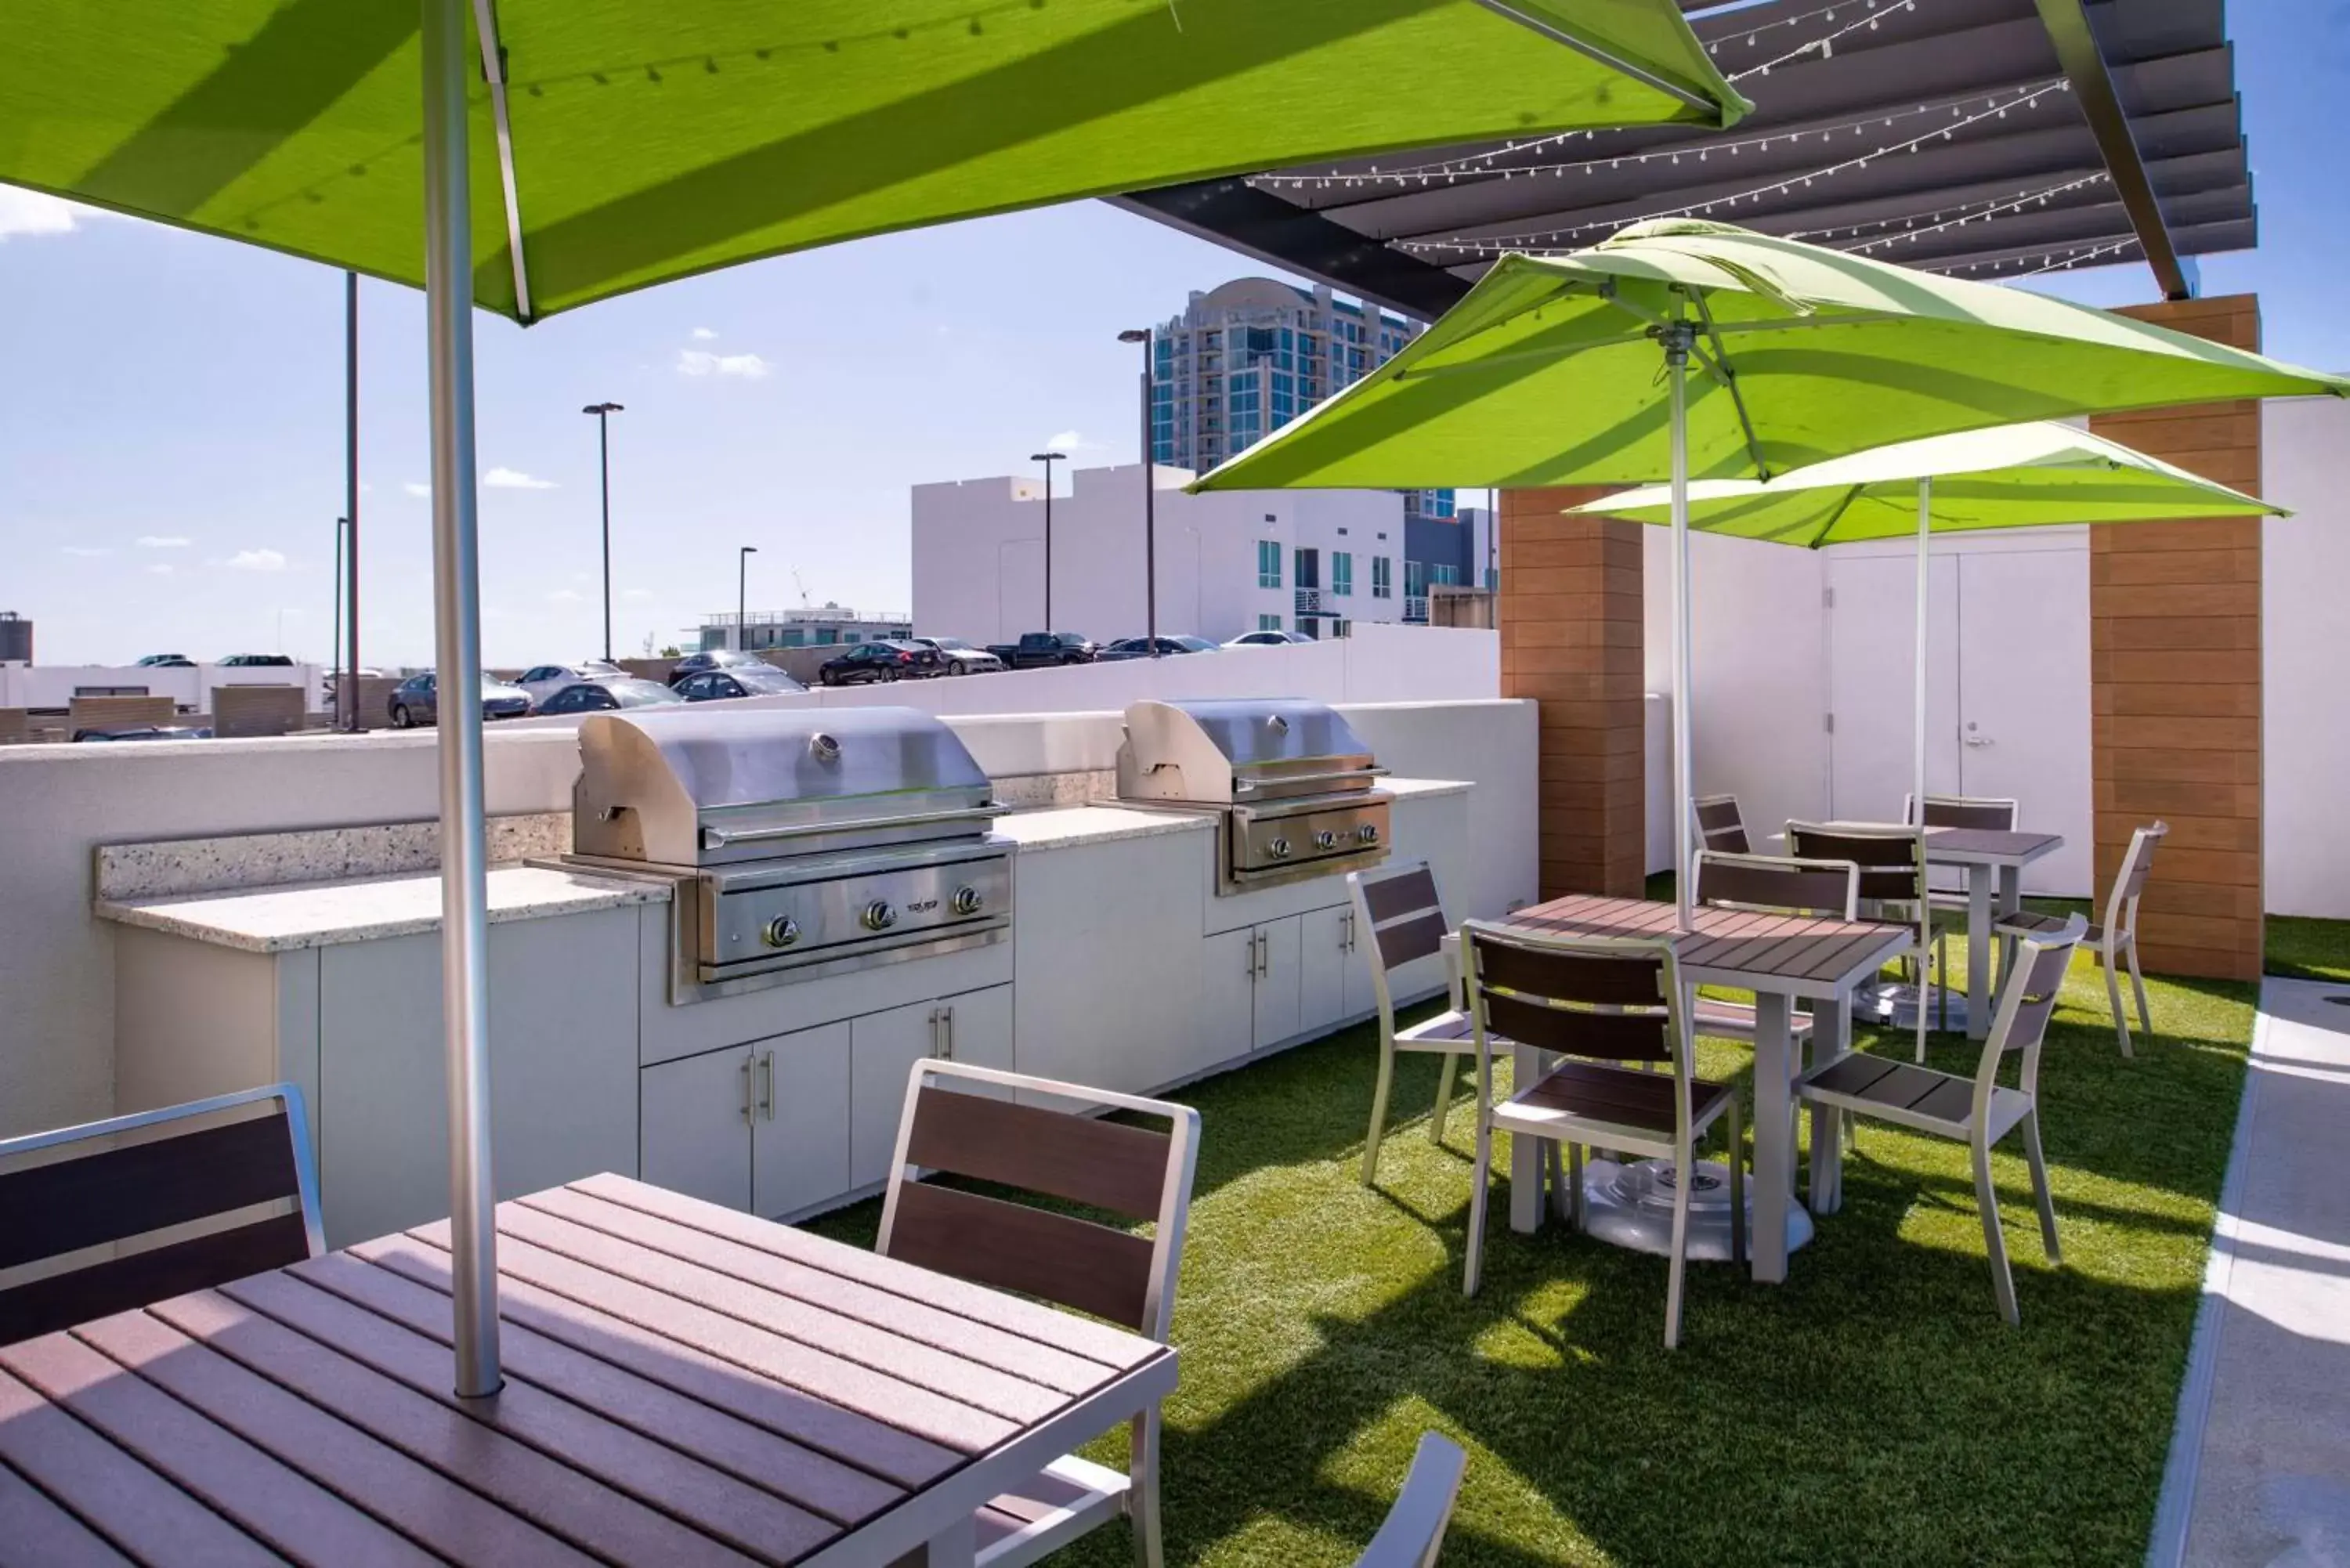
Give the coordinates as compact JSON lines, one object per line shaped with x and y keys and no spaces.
{"x":1342,"y":574}
{"x":1382,"y":583}
{"x":1268,"y":623}
{"x":1415,"y":579}
{"x":1492,"y":579}
{"x":1446,"y":574}
{"x":1342,"y":629}
{"x":1268,"y":563}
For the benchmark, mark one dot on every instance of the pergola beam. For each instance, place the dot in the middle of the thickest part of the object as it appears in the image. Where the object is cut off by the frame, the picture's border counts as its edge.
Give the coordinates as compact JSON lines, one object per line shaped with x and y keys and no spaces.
{"x":2067,"y":23}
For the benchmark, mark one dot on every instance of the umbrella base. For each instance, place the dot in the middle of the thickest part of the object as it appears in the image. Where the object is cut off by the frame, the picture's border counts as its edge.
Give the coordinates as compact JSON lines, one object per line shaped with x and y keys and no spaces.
{"x":1894,"y":1006}
{"x":1632,"y":1206}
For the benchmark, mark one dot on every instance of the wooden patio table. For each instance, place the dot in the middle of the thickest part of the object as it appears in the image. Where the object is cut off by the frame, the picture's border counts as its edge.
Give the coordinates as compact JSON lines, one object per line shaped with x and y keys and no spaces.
{"x":1993,"y":861}
{"x":685,"y":1385}
{"x":1779,"y":957}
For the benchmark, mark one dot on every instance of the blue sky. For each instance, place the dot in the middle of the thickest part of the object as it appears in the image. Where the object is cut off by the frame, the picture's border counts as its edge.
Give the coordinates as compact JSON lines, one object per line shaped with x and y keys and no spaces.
{"x":171,"y":405}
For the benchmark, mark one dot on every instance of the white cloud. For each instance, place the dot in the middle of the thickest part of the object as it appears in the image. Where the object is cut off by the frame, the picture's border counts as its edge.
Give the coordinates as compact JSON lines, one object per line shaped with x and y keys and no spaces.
{"x":702,"y":363}
{"x":162,"y":568}
{"x":164,"y":541}
{"x":88,"y":551}
{"x":703,"y":334}
{"x":421,"y":491}
{"x":1070,"y":441}
{"x":566,"y":597}
{"x":31,"y":213}
{"x":514,"y":479}
{"x":262,"y":560}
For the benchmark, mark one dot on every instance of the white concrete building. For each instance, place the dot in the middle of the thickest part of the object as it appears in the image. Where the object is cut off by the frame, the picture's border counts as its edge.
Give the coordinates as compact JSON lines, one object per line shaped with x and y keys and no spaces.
{"x":1298,"y":560}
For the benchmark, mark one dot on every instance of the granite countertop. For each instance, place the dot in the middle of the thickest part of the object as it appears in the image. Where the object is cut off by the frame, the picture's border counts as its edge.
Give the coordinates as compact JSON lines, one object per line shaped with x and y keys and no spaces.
{"x":1071,"y":825}
{"x":319,"y":914}
{"x":1415,"y":789}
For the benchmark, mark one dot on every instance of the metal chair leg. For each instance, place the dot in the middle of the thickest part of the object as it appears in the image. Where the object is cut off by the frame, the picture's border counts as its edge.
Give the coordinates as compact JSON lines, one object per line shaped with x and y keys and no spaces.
{"x":1142,"y":1496}
{"x":1443,"y":1096}
{"x":1472,"y":1263}
{"x":1738,"y":1182}
{"x":1379,"y":1112}
{"x":1555,"y":1177}
{"x":1683,"y":1171}
{"x":2003,"y":1284}
{"x":2114,"y":997}
{"x":2137,"y":984}
{"x":1574,"y":1215}
{"x":2040,"y":1187}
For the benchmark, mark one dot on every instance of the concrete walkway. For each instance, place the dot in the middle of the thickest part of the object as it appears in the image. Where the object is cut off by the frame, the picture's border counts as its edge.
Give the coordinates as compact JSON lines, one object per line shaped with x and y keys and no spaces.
{"x":2259,"y":1469}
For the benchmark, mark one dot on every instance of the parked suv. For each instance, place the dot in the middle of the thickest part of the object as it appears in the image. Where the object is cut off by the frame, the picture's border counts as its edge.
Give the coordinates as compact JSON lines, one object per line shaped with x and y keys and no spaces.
{"x":1037,"y":649}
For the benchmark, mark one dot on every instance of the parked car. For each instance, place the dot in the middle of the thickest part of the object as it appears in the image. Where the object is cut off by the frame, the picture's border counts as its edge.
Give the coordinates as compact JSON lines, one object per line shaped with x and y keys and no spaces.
{"x":1267,"y":639}
{"x":879,"y":661}
{"x":1139,"y":647}
{"x":713,"y":658}
{"x":608,"y":692}
{"x":247,"y":660}
{"x":146,"y":732}
{"x":1039,"y":649}
{"x":167,"y":661}
{"x":543,"y":681}
{"x":719,"y":685}
{"x":415,"y":701}
{"x":958,"y":657}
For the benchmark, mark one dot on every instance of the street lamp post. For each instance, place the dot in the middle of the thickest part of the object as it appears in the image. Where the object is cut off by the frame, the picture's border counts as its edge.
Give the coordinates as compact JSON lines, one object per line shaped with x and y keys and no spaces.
{"x":1048,"y":459}
{"x":604,"y":412}
{"x":347,"y":564}
{"x":742,"y":579}
{"x":1150,"y":521}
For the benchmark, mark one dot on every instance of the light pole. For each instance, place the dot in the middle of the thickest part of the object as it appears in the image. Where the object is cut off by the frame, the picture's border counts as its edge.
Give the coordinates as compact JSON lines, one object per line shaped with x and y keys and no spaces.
{"x":742,"y":579}
{"x":334,"y":645}
{"x":604,"y":412}
{"x":1048,"y":459}
{"x":347,"y":564}
{"x":1150,"y":521}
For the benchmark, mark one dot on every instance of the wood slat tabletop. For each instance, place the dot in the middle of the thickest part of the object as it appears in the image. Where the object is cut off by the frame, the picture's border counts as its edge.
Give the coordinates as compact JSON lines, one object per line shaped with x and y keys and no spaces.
{"x":1728,"y":942}
{"x":685,"y":1385}
{"x":1989,"y":844}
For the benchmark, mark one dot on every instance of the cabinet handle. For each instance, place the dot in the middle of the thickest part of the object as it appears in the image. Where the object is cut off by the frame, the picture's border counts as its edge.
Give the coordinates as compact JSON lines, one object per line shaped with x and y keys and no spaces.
{"x":746,"y":1088}
{"x":767,"y":1085}
{"x":934,"y":1034}
{"x":947,"y":1052}
{"x":1347,"y":940}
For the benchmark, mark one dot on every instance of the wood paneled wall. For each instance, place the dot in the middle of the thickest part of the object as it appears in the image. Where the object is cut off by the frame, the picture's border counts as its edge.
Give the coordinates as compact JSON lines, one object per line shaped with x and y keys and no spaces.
{"x":2174,"y":663}
{"x":1571,"y":624}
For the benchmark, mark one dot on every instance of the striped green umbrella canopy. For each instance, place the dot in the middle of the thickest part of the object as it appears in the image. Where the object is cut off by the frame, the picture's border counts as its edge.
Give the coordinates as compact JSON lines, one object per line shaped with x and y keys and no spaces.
{"x":1546,"y":372}
{"x":2016,"y":476}
{"x":616,"y":145}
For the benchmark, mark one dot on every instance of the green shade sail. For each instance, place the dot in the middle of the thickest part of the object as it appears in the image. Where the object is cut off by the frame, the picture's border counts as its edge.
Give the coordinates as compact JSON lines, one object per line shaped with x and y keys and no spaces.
{"x":1547,"y":373}
{"x":649,"y":142}
{"x":2016,"y":476}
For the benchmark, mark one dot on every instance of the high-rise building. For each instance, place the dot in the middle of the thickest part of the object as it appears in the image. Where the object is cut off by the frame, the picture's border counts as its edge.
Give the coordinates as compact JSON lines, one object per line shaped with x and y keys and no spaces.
{"x":1246,"y":359}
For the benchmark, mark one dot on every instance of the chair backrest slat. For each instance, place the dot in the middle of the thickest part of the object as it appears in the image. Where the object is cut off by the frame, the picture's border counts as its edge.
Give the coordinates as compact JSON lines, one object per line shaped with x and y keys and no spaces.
{"x":1579,"y":997}
{"x":1890,"y":858}
{"x":1574,"y":1031}
{"x":2027,"y":1000}
{"x":1407,"y":940}
{"x":1997,"y":814}
{"x":2138,"y":863}
{"x":1010,"y":1246}
{"x":1407,"y":892}
{"x":1398,"y":919}
{"x":1107,"y":1165}
{"x":129,"y":1178}
{"x":1827,"y":888}
{"x":1719,"y":825}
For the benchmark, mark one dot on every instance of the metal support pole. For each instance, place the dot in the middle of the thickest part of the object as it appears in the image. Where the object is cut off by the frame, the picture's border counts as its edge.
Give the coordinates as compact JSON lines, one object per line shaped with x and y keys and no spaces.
{"x":1677,"y":338}
{"x":604,"y":478}
{"x":1917,"y":759}
{"x":335,"y":647}
{"x":1149,"y":517}
{"x":742,"y":596}
{"x":346,"y":707}
{"x":457,"y":647}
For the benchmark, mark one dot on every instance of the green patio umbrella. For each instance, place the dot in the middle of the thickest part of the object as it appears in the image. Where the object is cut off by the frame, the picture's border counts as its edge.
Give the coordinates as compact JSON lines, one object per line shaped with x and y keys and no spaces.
{"x":1547,"y":372}
{"x":597,"y":147}
{"x":2013,"y":476}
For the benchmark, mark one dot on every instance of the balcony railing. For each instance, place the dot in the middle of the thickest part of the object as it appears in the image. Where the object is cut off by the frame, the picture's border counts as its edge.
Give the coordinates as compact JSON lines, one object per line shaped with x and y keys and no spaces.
{"x":1415,"y":610}
{"x":1309,"y":601}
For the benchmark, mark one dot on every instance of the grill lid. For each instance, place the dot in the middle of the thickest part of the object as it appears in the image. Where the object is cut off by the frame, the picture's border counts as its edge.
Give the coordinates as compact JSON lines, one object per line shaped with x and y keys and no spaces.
{"x":1225,"y":751}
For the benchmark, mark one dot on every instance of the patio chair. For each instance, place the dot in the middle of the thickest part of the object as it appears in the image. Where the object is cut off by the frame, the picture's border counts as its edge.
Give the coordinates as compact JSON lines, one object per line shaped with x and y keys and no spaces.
{"x":1977,"y":1112}
{"x":1892,"y":862}
{"x":2116,"y":938}
{"x":1601,"y":1002}
{"x":955,"y":1124}
{"x":1767,"y":884}
{"x":1399,"y":907}
{"x":1414,"y":1531}
{"x":116,"y":1183}
{"x":1719,"y":826}
{"x":1947,"y":898}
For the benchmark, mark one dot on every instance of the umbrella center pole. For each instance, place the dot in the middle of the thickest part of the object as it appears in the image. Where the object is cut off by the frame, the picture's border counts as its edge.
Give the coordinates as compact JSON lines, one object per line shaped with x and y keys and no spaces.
{"x":1677,"y":338}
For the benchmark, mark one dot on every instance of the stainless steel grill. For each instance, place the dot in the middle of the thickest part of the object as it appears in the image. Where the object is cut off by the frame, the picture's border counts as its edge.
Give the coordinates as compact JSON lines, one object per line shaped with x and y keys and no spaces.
{"x":799,"y":841}
{"x":1293,"y":788}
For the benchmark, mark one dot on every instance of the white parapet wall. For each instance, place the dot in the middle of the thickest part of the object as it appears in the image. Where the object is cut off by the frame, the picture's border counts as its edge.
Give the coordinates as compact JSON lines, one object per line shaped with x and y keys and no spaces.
{"x":57,"y":685}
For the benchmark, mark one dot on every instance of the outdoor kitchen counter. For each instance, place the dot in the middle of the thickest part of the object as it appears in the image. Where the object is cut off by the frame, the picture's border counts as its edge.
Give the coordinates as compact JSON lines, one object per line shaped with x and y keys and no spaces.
{"x":298,"y":915}
{"x":1065,"y":827}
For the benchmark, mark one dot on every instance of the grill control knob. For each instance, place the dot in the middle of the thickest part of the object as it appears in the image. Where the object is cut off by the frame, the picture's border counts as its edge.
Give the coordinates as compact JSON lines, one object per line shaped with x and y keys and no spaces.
{"x":879,"y":916}
{"x":1325,"y":839}
{"x":782,"y":932}
{"x":966,"y":901}
{"x":1368,"y":833}
{"x":1278,"y":849}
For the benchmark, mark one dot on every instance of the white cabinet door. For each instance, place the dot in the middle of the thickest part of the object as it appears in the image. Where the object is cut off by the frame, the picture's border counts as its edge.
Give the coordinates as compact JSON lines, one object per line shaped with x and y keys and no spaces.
{"x":977,"y":1028}
{"x":1278,"y":993}
{"x":1355,"y":991}
{"x":1227,"y":1012}
{"x":1322,"y":965}
{"x":799,"y":1133}
{"x":883,"y":1049}
{"x":696,"y":1116}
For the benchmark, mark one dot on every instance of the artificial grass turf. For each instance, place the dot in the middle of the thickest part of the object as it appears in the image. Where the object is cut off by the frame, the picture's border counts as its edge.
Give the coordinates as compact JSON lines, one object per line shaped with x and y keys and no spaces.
{"x":1874,"y":1410}
{"x":2303,"y":949}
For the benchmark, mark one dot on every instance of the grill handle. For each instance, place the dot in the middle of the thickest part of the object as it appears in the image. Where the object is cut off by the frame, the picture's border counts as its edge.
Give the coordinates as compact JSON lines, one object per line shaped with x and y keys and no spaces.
{"x":1247,"y":786}
{"x":720,"y":837}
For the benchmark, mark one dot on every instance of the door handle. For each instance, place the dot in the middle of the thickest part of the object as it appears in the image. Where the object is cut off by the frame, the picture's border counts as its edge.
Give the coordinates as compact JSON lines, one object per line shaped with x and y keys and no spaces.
{"x":767,"y":1085}
{"x":746,"y":1089}
{"x":946,"y":1052}
{"x":1978,"y":739}
{"x":934,"y":1032}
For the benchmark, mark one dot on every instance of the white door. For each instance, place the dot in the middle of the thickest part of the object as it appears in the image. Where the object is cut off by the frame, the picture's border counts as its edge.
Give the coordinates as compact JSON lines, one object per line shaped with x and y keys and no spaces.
{"x":799,"y":1142}
{"x":1872,"y":650}
{"x":1323,"y":963}
{"x":2024,"y":703}
{"x":883,"y":1049}
{"x":697,"y":1125}
{"x":1227,"y":1015}
{"x":1278,"y":995}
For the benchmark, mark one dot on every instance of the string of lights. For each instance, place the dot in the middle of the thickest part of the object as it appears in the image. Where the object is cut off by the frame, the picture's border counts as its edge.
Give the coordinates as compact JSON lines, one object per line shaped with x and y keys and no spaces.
{"x":1824,"y":45}
{"x":2047,"y":261}
{"x":1992,"y":208}
{"x":1478,"y":166}
{"x":1818,"y":13}
{"x":1495,"y":243}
